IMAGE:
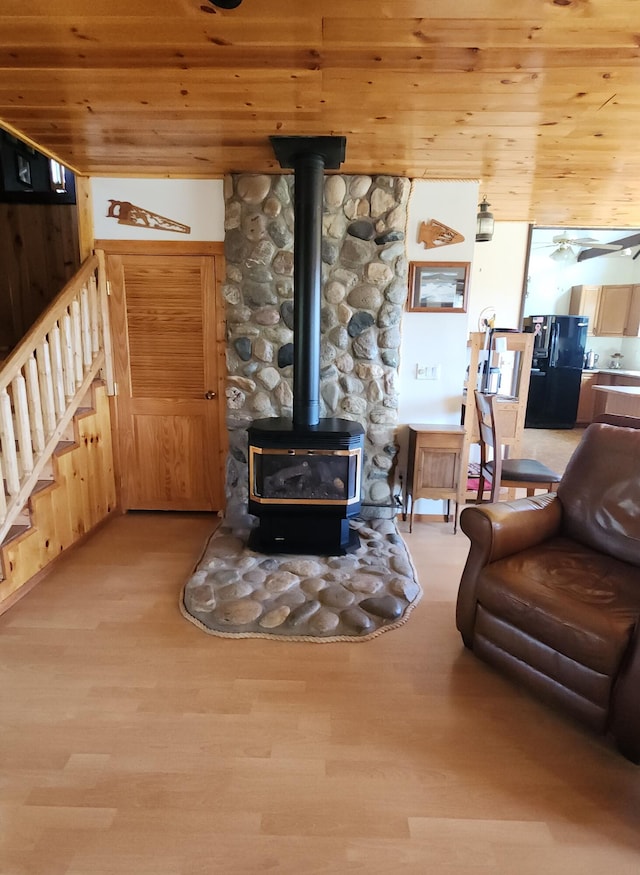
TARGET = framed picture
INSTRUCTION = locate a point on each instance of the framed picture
(438, 287)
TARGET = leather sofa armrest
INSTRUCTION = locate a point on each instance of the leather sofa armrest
(498, 530)
(625, 709)
(507, 527)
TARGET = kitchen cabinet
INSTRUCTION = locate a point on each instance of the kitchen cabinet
(620, 380)
(613, 310)
(584, 302)
(585, 403)
(632, 328)
(607, 307)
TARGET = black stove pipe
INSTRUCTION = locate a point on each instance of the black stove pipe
(308, 156)
(307, 283)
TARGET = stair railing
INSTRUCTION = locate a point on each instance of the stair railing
(44, 381)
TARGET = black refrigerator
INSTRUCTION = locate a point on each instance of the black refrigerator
(556, 370)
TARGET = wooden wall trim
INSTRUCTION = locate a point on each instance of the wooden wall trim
(160, 247)
(84, 209)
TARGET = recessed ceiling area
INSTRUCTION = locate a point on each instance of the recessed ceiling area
(537, 99)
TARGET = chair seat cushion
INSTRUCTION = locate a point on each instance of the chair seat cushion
(577, 601)
(525, 469)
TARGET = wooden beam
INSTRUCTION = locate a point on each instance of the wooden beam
(623, 242)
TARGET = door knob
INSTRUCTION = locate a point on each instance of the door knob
(209, 395)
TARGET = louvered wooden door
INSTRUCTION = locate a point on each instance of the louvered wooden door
(167, 348)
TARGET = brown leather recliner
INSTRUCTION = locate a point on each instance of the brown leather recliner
(550, 592)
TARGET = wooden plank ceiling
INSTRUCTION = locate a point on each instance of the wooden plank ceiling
(537, 99)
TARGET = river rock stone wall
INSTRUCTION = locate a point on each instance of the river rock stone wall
(364, 286)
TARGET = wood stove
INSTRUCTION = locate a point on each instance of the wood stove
(305, 485)
(305, 473)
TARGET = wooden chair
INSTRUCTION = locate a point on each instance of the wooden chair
(502, 471)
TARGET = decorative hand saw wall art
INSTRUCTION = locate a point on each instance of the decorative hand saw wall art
(129, 214)
(434, 234)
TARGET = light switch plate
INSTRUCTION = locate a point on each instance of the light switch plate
(427, 372)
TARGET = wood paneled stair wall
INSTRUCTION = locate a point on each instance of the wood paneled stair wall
(63, 507)
(56, 458)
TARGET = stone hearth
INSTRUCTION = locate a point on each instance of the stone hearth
(237, 592)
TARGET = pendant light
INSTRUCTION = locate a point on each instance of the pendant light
(485, 223)
(226, 4)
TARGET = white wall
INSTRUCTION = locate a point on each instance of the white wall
(497, 275)
(198, 203)
(435, 338)
(497, 281)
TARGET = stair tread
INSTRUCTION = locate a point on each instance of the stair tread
(62, 446)
(14, 532)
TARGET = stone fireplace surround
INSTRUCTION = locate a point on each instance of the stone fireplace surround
(364, 277)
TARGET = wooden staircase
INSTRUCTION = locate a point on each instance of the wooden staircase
(63, 508)
(56, 459)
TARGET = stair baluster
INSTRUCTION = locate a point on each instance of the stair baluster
(44, 381)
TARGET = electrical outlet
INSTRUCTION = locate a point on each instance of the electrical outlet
(427, 372)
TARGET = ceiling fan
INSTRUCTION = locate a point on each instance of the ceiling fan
(626, 244)
(563, 246)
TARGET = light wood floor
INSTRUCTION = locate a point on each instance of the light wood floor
(553, 447)
(133, 743)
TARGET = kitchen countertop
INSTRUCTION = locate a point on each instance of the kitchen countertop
(621, 371)
(618, 390)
